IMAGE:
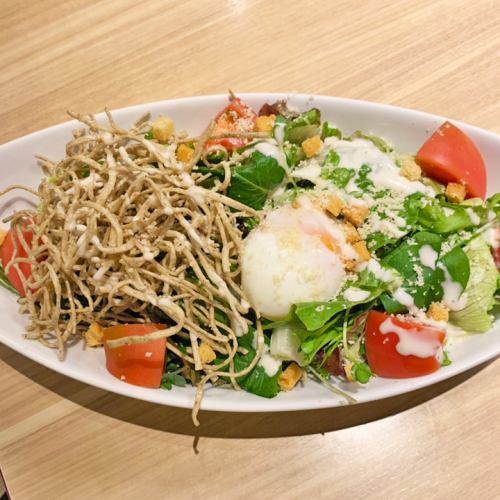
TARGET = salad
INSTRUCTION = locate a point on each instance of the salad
(270, 248)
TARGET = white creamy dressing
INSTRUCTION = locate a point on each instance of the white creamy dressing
(411, 343)
(270, 149)
(385, 173)
(354, 294)
(380, 272)
(404, 298)
(453, 298)
(270, 364)
(492, 237)
(474, 218)
(428, 256)
(279, 132)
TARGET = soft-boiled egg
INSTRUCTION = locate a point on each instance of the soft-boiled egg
(294, 255)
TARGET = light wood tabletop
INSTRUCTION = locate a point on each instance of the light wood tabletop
(60, 438)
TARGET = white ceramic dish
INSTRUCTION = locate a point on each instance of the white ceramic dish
(405, 129)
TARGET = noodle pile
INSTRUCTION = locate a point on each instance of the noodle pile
(125, 232)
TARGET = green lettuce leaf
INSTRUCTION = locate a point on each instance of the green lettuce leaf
(252, 182)
(480, 290)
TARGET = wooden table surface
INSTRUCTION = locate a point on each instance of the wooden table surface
(63, 439)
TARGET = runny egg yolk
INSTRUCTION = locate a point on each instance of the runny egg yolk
(295, 255)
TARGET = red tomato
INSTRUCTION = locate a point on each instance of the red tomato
(382, 348)
(137, 364)
(450, 156)
(7, 255)
(235, 117)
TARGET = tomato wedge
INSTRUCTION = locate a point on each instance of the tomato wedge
(237, 116)
(449, 155)
(402, 349)
(137, 364)
(7, 254)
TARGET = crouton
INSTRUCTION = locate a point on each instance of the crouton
(455, 192)
(438, 312)
(355, 214)
(410, 169)
(207, 354)
(350, 232)
(162, 128)
(290, 376)
(94, 336)
(362, 251)
(184, 153)
(265, 123)
(334, 205)
(311, 146)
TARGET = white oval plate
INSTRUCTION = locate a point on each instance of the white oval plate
(405, 129)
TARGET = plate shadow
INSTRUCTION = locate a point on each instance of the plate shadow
(225, 424)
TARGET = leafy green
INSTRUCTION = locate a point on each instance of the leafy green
(391, 306)
(362, 180)
(327, 340)
(304, 126)
(444, 218)
(361, 372)
(332, 158)
(170, 379)
(314, 315)
(493, 203)
(252, 182)
(377, 141)
(424, 283)
(458, 266)
(426, 288)
(294, 154)
(327, 131)
(85, 171)
(446, 359)
(149, 135)
(4, 282)
(339, 176)
(480, 290)
(257, 381)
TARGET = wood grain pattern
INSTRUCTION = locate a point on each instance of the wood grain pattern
(62, 439)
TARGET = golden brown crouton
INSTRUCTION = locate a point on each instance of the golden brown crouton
(351, 233)
(290, 376)
(362, 251)
(265, 123)
(355, 214)
(207, 354)
(455, 192)
(94, 336)
(3, 234)
(184, 153)
(410, 170)
(162, 128)
(312, 146)
(438, 312)
(334, 205)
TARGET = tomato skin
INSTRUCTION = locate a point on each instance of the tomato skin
(381, 348)
(7, 253)
(137, 364)
(237, 116)
(449, 155)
